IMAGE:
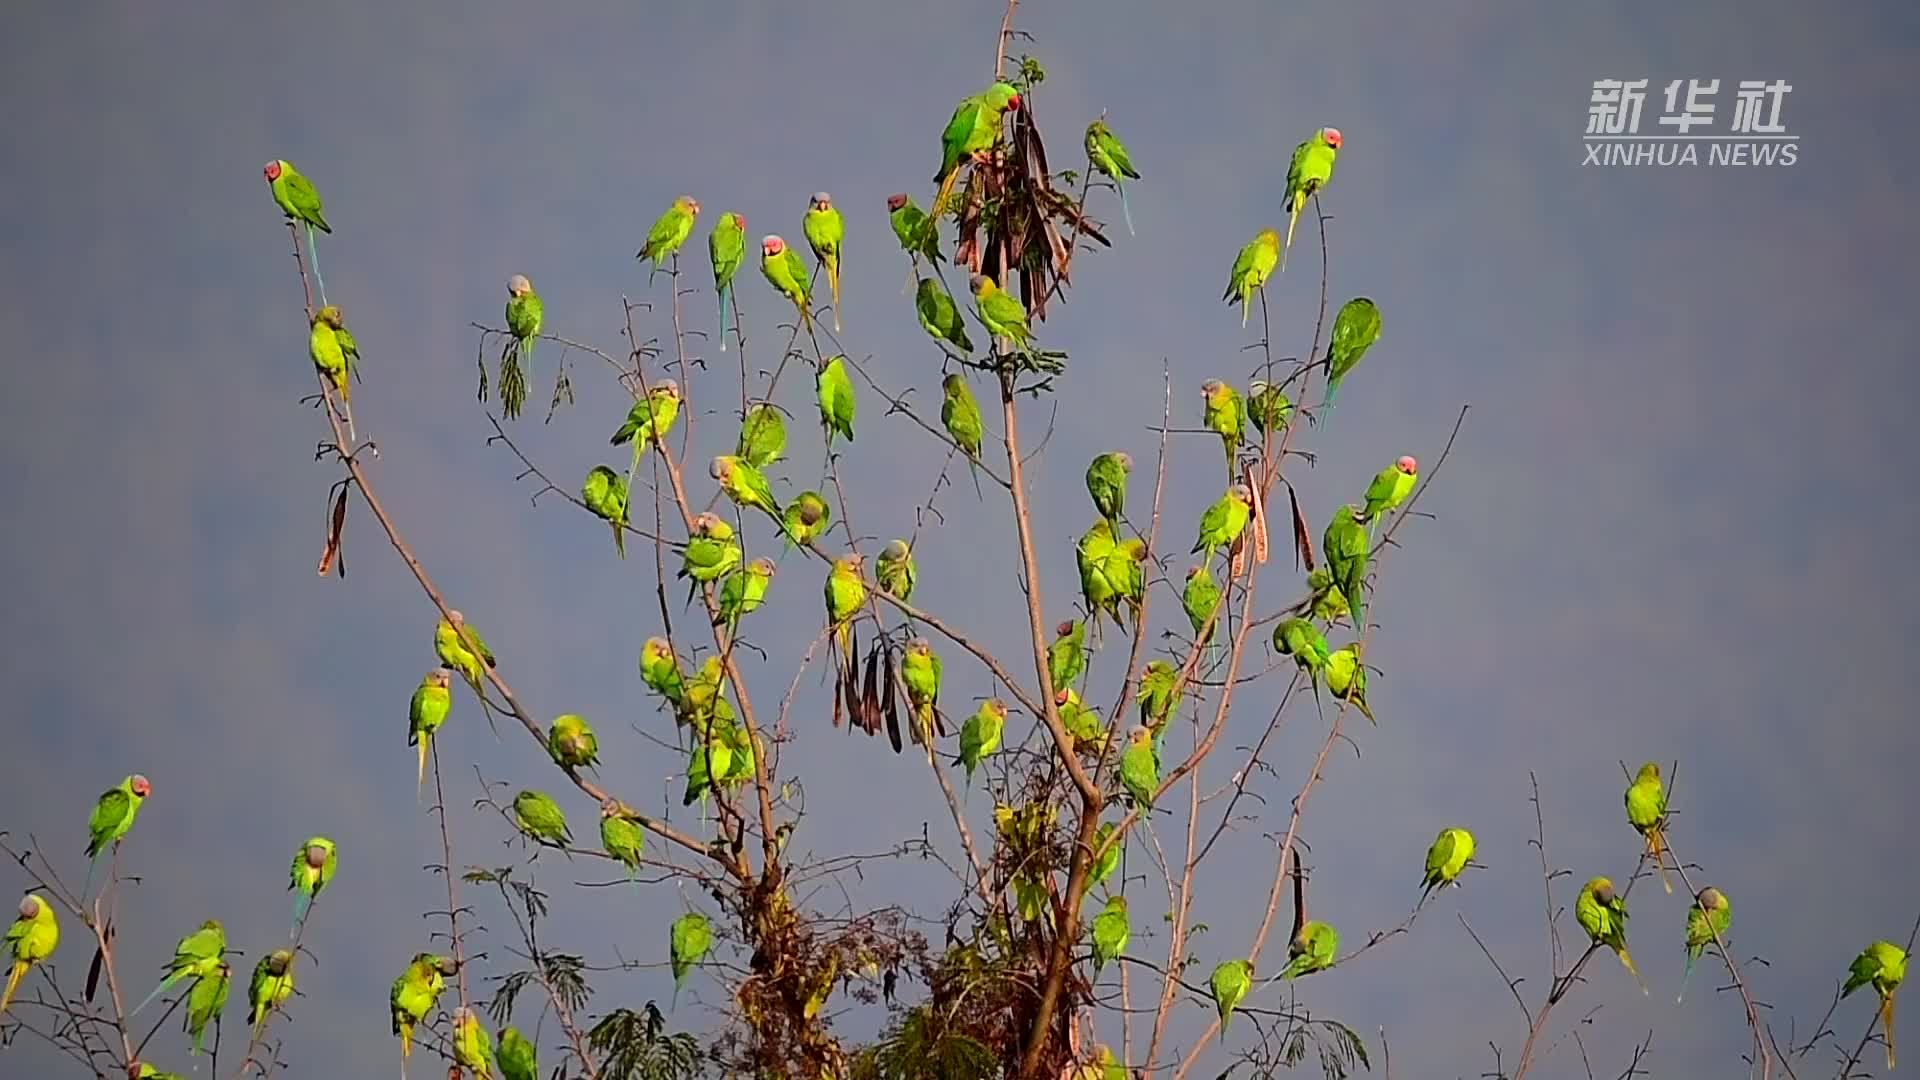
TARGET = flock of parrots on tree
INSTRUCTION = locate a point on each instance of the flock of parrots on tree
(1110, 575)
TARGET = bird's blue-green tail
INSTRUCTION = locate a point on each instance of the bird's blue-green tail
(1683, 981)
(313, 256)
(87, 889)
(1125, 212)
(1333, 391)
(157, 991)
(302, 903)
(726, 296)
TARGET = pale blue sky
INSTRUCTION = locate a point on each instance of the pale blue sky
(1664, 533)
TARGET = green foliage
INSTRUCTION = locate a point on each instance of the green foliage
(636, 1046)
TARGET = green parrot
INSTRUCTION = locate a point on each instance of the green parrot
(414, 996)
(960, 415)
(1348, 551)
(541, 820)
(606, 495)
(300, 201)
(1067, 656)
(1230, 982)
(782, 268)
(1108, 156)
(742, 593)
(1001, 312)
(432, 701)
(461, 648)
(1346, 677)
(197, 956)
(1092, 554)
(1269, 409)
(712, 552)
(940, 317)
(1110, 933)
(1106, 855)
(824, 229)
(651, 419)
(1140, 768)
(313, 868)
(726, 246)
(140, 1070)
(1160, 693)
(980, 736)
(1082, 723)
(29, 941)
(1224, 521)
(660, 669)
(807, 519)
(1602, 913)
(688, 942)
(1452, 850)
(270, 988)
(525, 313)
(518, 1059)
(669, 232)
(572, 743)
(846, 594)
(1251, 268)
(918, 235)
(1883, 964)
(1355, 329)
(763, 436)
(1200, 598)
(1126, 572)
(920, 670)
(1312, 949)
(1329, 603)
(894, 571)
(206, 1001)
(1310, 170)
(1646, 800)
(1107, 485)
(1304, 642)
(622, 837)
(1226, 414)
(329, 353)
(472, 1044)
(112, 819)
(1708, 921)
(699, 772)
(973, 130)
(837, 402)
(1389, 489)
(745, 485)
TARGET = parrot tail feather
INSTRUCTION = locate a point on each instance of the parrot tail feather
(726, 294)
(833, 286)
(13, 983)
(1657, 848)
(1246, 308)
(1333, 391)
(946, 192)
(420, 784)
(1886, 1026)
(1125, 212)
(313, 256)
(1683, 980)
(302, 903)
(157, 991)
(1627, 959)
(1293, 219)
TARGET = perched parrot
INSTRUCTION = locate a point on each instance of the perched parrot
(1710, 917)
(1449, 855)
(1067, 656)
(669, 232)
(1346, 676)
(197, 956)
(980, 735)
(329, 352)
(1269, 409)
(1646, 800)
(1140, 768)
(572, 743)
(461, 648)
(1602, 913)
(846, 594)
(973, 130)
(271, 988)
(472, 1043)
(300, 201)
(432, 701)
(1127, 574)
(837, 403)
(1200, 599)
(745, 485)
(940, 317)
(1251, 268)
(29, 941)
(606, 495)
(918, 235)
(525, 313)
(1348, 551)
(313, 868)
(1224, 521)
(541, 820)
(1329, 603)
(894, 571)
(660, 669)
(920, 670)
(782, 268)
(742, 593)
(1082, 723)
(518, 1058)
(1355, 329)
(960, 415)
(1304, 642)
(1001, 312)
(1389, 489)
(825, 229)
(651, 419)
(712, 552)
(1106, 853)
(414, 996)
(1160, 693)
(113, 816)
(1107, 485)
(763, 436)
(1110, 933)
(1230, 982)
(688, 941)
(206, 1001)
(726, 246)
(140, 1070)
(1310, 170)
(1312, 949)
(1108, 156)
(1091, 554)
(622, 837)
(1883, 964)
(807, 519)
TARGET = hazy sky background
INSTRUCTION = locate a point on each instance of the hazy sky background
(1666, 531)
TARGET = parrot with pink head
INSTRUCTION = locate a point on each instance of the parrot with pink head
(1310, 170)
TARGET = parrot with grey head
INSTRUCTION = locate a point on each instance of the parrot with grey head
(825, 230)
(726, 247)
